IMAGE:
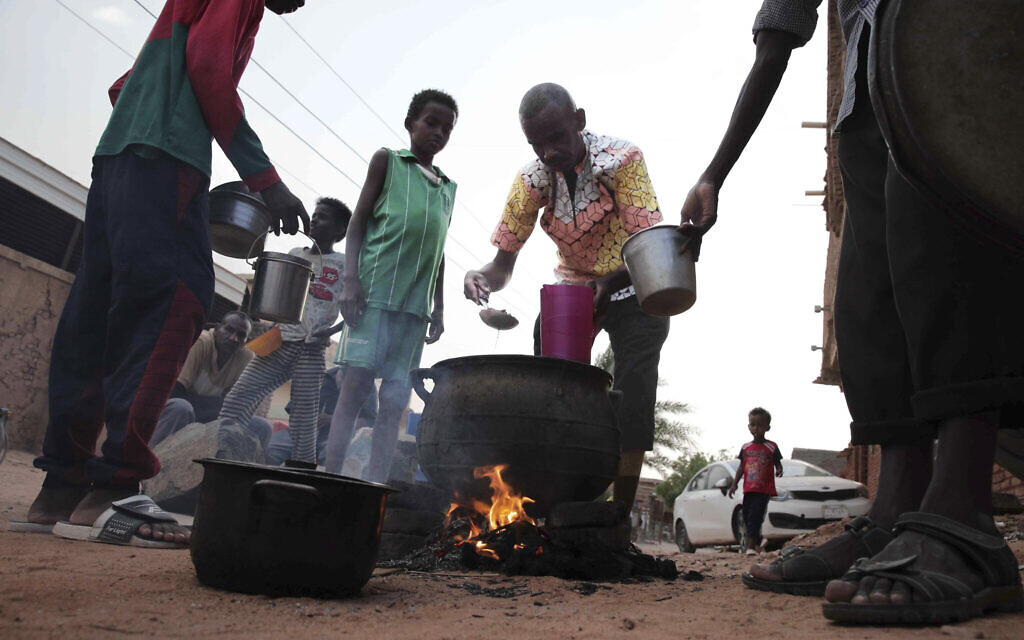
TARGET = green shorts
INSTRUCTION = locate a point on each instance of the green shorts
(389, 343)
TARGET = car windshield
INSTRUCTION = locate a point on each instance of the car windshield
(797, 469)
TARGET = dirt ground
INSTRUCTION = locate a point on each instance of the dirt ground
(50, 587)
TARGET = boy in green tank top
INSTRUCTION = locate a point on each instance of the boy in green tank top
(393, 279)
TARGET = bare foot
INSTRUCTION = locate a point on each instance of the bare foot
(53, 505)
(99, 500)
(932, 555)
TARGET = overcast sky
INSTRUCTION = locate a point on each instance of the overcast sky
(661, 74)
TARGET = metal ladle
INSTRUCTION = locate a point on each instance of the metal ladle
(497, 318)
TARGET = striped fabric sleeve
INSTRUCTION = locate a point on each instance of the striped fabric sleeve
(798, 17)
(220, 41)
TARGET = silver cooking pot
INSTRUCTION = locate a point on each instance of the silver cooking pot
(660, 262)
(280, 285)
(238, 219)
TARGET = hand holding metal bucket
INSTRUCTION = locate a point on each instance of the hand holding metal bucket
(660, 261)
(281, 283)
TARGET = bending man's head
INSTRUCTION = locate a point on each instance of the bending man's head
(552, 124)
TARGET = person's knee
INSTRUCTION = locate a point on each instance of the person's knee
(261, 428)
(394, 394)
(180, 407)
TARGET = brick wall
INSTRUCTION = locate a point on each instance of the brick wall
(862, 465)
(1005, 482)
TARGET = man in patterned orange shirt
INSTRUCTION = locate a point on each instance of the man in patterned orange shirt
(595, 192)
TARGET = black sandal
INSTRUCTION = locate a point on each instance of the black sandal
(949, 599)
(805, 573)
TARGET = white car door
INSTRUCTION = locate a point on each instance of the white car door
(692, 516)
(718, 507)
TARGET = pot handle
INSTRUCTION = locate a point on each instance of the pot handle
(616, 398)
(416, 377)
(260, 494)
(260, 489)
(319, 253)
(248, 254)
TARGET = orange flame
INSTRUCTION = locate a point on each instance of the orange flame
(506, 506)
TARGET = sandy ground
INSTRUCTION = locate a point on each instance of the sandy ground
(51, 587)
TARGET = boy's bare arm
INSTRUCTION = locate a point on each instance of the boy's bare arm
(736, 480)
(436, 327)
(352, 300)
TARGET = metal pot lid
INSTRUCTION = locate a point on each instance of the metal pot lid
(523, 361)
(293, 473)
(237, 190)
(286, 257)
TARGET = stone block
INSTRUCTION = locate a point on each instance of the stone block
(413, 522)
(176, 487)
(587, 514)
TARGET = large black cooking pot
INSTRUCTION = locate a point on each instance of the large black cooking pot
(281, 531)
(551, 420)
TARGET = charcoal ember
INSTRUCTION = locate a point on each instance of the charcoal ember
(587, 514)
(419, 496)
(491, 592)
(422, 523)
(611, 538)
(398, 545)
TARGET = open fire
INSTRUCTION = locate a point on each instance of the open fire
(507, 508)
(592, 542)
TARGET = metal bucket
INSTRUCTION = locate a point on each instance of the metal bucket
(662, 268)
(238, 219)
(280, 286)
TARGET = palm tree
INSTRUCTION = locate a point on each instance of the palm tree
(672, 436)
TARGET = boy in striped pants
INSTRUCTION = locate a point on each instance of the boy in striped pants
(300, 358)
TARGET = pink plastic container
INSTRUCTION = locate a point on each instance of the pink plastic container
(567, 321)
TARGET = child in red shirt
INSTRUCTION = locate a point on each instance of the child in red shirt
(757, 458)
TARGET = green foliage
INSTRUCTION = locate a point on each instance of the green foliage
(682, 470)
(671, 434)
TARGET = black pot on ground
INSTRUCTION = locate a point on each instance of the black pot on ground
(552, 421)
(281, 531)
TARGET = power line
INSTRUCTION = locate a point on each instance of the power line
(398, 136)
(249, 96)
(343, 81)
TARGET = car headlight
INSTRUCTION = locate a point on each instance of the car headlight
(862, 491)
(782, 496)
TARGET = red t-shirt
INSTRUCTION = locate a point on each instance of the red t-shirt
(757, 459)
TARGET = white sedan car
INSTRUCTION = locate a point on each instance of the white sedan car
(808, 497)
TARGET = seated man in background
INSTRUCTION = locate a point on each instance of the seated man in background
(212, 367)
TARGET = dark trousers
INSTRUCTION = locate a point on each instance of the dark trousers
(755, 506)
(137, 304)
(636, 339)
(927, 317)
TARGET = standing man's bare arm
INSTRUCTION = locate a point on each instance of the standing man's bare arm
(773, 49)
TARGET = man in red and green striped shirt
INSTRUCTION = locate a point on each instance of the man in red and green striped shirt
(146, 279)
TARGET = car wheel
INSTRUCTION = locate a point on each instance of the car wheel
(739, 529)
(682, 538)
